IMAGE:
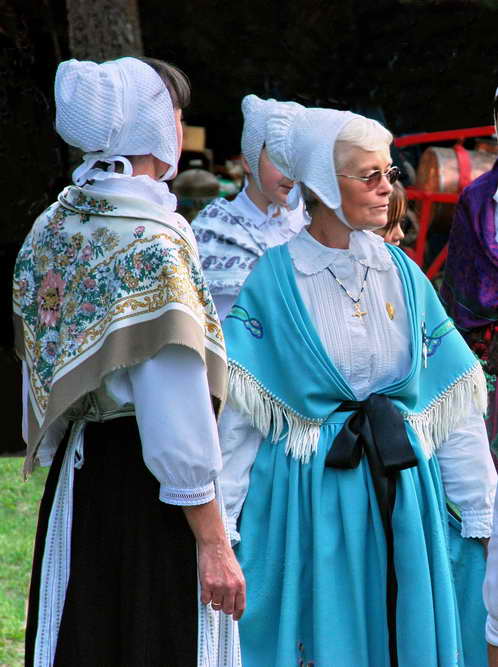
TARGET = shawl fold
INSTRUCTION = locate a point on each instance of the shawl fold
(283, 379)
(100, 284)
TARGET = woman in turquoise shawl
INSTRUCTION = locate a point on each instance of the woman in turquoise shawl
(356, 409)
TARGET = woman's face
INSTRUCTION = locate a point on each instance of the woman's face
(274, 185)
(394, 236)
(365, 207)
(179, 129)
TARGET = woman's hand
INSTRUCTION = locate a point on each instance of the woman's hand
(492, 655)
(222, 581)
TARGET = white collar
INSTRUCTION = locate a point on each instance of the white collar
(141, 187)
(310, 256)
(274, 215)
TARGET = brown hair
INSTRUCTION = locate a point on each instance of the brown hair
(398, 203)
(174, 79)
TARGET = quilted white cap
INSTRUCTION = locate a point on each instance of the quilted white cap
(301, 145)
(118, 108)
(255, 112)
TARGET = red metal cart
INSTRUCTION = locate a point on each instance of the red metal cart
(427, 198)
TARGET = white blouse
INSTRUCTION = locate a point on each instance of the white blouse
(277, 224)
(171, 397)
(371, 352)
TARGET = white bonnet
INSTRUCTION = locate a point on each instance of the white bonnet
(121, 107)
(256, 131)
(256, 112)
(301, 145)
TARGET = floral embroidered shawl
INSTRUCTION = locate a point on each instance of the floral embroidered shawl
(105, 283)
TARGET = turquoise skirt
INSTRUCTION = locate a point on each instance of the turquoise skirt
(314, 556)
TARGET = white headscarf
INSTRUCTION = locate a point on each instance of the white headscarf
(257, 116)
(256, 112)
(118, 108)
(301, 145)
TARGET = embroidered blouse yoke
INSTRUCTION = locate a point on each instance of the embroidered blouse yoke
(232, 235)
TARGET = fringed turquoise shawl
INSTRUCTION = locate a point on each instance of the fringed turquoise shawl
(282, 378)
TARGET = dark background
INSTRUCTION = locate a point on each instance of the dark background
(426, 65)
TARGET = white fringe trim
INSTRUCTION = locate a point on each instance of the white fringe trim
(434, 425)
(266, 412)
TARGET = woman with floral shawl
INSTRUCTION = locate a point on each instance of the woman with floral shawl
(355, 407)
(124, 370)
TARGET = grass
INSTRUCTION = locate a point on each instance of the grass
(18, 514)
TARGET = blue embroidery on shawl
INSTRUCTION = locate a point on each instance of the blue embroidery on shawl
(253, 325)
(435, 338)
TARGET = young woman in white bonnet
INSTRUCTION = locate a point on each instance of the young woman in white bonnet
(355, 407)
(124, 372)
(232, 235)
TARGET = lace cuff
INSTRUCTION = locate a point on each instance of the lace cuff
(187, 497)
(232, 529)
(477, 524)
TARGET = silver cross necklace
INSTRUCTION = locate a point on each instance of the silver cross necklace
(357, 311)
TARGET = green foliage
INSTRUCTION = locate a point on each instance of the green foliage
(18, 514)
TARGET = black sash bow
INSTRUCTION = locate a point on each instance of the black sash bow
(376, 428)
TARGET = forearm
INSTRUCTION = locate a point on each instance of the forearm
(206, 523)
(221, 579)
(492, 656)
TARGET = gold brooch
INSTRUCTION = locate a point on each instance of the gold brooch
(390, 310)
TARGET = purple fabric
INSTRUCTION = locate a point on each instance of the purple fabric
(470, 286)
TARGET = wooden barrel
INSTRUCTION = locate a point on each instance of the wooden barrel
(438, 170)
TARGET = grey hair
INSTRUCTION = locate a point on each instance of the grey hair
(364, 133)
(360, 132)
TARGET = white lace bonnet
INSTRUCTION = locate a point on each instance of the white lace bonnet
(301, 145)
(256, 112)
(121, 107)
(255, 134)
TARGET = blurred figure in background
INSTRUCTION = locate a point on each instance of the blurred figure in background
(195, 189)
(393, 232)
(470, 286)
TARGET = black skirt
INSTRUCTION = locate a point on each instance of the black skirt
(132, 594)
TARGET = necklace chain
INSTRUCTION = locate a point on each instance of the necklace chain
(357, 309)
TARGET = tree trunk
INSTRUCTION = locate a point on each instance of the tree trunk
(103, 29)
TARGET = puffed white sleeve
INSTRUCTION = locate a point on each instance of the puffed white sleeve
(176, 422)
(240, 442)
(490, 588)
(469, 475)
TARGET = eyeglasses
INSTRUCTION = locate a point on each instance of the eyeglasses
(373, 180)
